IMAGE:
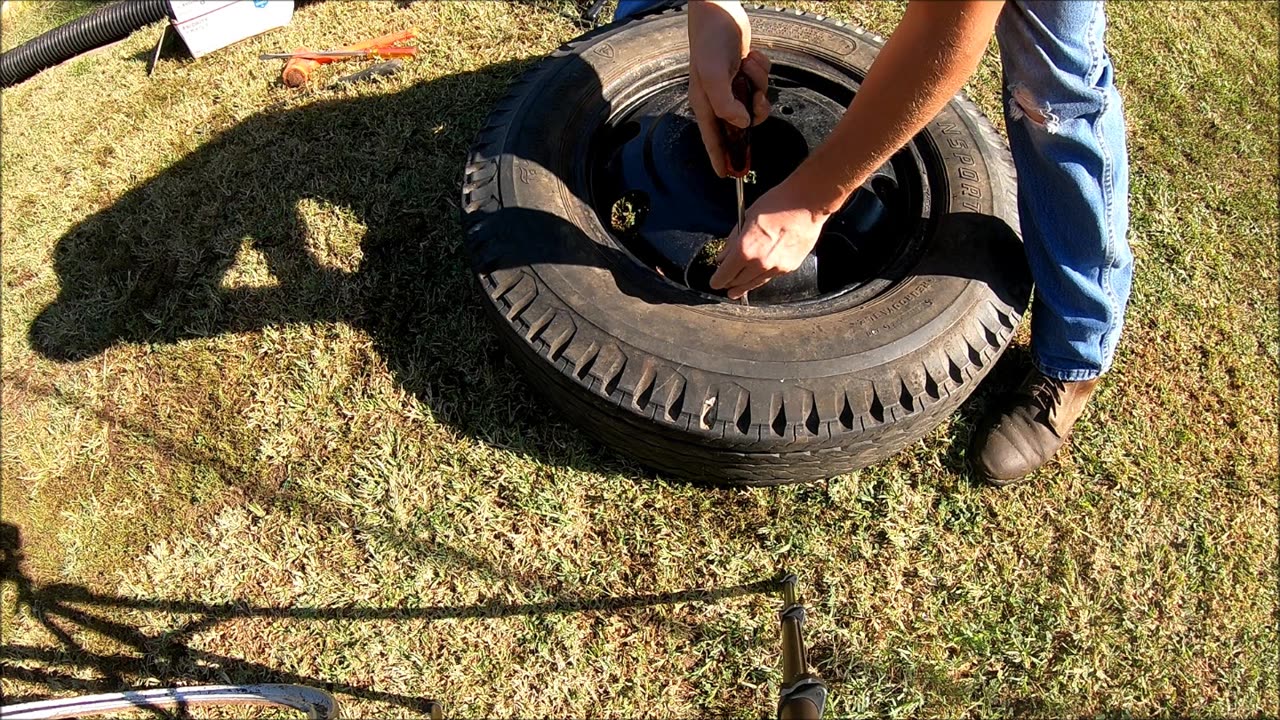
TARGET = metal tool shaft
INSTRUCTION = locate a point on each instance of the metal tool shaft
(739, 184)
(738, 148)
(804, 694)
(795, 661)
(342, 54)
(742, 207)
(315, 53)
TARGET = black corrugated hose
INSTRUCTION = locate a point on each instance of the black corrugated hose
(94, 29)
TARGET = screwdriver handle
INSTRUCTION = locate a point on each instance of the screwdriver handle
(737, 141)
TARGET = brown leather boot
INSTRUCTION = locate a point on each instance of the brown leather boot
(1018, 440)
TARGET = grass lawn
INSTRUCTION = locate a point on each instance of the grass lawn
(228, 460)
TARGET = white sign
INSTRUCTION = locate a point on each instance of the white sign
(207, 25)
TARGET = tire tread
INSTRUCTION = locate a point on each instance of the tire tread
(659, 412)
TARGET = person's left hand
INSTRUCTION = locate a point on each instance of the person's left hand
(778, 233)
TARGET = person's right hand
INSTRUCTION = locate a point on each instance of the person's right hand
(720, 45)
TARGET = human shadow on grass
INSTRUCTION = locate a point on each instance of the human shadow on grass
(73, 613)
(156, 265)
(291, 188)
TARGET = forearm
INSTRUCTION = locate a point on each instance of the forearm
(926, 61)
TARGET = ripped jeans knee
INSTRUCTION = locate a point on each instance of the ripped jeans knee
(1050, 105)
(1024, 104)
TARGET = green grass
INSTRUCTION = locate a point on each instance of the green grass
(264, 433)
(25, 19)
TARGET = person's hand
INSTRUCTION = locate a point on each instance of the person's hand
(720, 45)
(778, 234)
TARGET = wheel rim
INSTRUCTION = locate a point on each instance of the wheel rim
(652, 185)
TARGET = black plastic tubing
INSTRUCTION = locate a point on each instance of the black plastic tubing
(94, 29)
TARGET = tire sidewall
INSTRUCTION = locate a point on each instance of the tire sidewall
(886, 367)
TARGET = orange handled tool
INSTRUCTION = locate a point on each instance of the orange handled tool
(325, 56)
(298, 68)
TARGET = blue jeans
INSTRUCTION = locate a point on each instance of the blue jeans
(1066, 131)
(627, 8)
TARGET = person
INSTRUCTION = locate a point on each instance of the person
(1067, 134)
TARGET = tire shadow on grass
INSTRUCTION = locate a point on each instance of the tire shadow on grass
(995, 388)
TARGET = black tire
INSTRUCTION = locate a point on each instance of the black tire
(713, 391)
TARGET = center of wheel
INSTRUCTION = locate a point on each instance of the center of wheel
(654, 187)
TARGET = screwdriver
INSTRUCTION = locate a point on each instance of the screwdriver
(300, 63)
(737, 145)
(737, 141)
(327, 55)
